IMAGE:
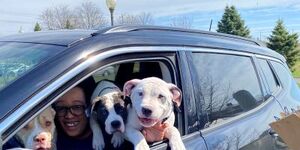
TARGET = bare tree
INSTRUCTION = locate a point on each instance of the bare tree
(127, 19)
(48, 18)
(146, 18)
(89, 16)
(183, 22)
(57, 17)
(140, 19)
(86, 16)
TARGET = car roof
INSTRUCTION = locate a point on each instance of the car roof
(53, 37)
(90, 41)
(145, 35)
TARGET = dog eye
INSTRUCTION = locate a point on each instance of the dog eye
(120, 109)
(102, 115)
(48, 123)
(26, 127)
(140, 93)
(161, 96)
(104, 112)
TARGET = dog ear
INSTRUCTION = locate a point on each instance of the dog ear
(53, 112)
(129, 85)
(126, 99)
(176, 92)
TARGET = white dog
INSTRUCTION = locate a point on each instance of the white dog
(152, 104)
(39, 132)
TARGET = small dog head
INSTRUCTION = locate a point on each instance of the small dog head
(109, 107)
(39, 132)
(152, 99)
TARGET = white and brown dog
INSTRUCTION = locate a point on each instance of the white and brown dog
(152, 103)
(39, 133)
(108, 112)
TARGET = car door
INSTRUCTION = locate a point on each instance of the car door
(126, 64)
(230, 97)
(193, 138)
(171, 67)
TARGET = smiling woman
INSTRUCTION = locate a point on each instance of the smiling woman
(73, 129)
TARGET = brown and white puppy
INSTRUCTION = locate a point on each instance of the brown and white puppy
(109, 113)
(38, 134)
(152, 104)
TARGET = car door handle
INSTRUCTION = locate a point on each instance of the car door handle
(272, 133)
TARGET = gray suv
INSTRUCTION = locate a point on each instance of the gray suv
(233, 87)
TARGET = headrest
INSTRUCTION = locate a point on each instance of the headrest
(103, 87)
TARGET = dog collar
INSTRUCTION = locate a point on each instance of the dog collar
(176, 108)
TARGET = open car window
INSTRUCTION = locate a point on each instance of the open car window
(119, 74)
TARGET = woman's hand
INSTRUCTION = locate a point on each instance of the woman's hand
(155, 133)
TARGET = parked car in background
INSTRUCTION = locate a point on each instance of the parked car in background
(106, 71)
(232, 87)
(12, 69)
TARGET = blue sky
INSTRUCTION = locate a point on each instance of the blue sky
(259, 15)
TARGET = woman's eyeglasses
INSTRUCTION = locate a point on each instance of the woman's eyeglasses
(76, 110)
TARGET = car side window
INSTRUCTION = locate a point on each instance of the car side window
(271, 81)
(139, 69)
(228, 85)
(288, 82)
(283, 73)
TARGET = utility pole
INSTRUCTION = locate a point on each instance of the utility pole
(210, 24)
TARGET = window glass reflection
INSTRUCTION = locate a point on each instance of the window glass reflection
(228, 85)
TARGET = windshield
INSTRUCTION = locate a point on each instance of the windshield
(18, 58)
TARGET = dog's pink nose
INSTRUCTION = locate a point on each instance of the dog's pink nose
(40, 138)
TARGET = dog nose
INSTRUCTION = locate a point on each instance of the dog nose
(39, 139)
(147, 112)
(116, 124)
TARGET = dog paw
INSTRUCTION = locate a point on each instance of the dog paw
(178, 145)
(98, 144)
(117, 139)
(142, 146)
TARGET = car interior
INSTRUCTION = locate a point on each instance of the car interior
(122, 73)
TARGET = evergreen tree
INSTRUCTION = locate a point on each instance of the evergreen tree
(231, 23)
(37, 27)
(284, 43)
(68, 25)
